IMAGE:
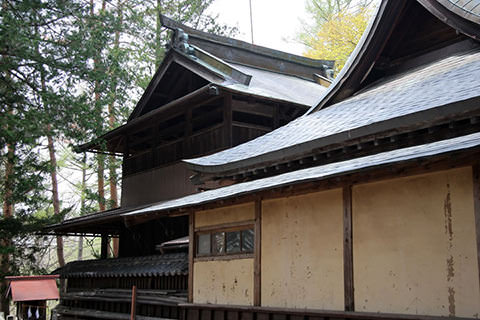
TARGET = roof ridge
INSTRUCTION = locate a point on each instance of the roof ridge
(239, 44)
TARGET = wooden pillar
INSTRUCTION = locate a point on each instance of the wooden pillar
(257, 280)
(104, 247)
(348, 249)
(126, 155)
(188, 132)
(276, 116)
(133, 307)
(191, 254)
(476, 208)
(227, 121)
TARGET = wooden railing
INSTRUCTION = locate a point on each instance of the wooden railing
(228, 312)
(116, 304)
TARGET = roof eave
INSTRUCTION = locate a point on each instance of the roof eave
(408, 121)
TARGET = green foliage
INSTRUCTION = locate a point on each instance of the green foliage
(63, 65)
(23, 244)
(338, 27)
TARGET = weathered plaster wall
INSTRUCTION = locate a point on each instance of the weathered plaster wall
(224, 215)
(223, 282)
(302, 257)
(414, 245)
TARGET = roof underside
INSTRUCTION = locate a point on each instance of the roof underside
(452, 79)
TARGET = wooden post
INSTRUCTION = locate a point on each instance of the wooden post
(348, 249)
(188, 132)
(191, 254)
(227, 121)
(276, 116)
(104, 247)
(133, 310)
(476, 209)
(257, 280)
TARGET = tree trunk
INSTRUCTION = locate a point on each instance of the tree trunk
(55, 197)
(8, 208)
(111, 122)
(101, 181)
(158, 34)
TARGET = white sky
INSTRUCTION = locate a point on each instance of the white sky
(275, 22)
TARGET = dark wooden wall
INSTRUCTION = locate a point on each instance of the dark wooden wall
(140, 240)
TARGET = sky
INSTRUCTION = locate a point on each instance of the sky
(275, 22)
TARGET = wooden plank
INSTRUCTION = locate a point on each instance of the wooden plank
(476, 207)
(348, 249)
(257, 280)
(191, 253)
(218, 315)
(247, 315)
(193, 314)
(232, 315)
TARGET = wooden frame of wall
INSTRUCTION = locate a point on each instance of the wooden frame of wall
(224, 120)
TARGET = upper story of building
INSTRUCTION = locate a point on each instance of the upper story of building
(210, 93)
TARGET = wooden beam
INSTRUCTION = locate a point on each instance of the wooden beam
(191, 253)
(251, 126)
(229, 225)
(348, 249)
(476, 208)
(257, 280)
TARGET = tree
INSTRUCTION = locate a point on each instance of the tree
(338, 27)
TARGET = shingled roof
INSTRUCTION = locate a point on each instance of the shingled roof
(430, 88)
(364, 100)
(169, 264)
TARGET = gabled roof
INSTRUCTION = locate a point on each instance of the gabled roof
(200, 64)
(364, 99)
(233, 64)
(32, 288)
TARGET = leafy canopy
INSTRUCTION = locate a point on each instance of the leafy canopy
(338, 27)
